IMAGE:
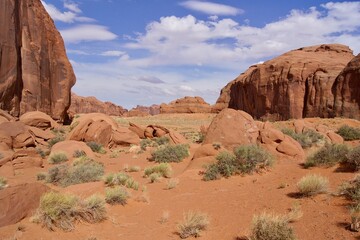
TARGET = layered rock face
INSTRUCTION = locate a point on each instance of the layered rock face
(35, 73)
(142, 111)
(93, 105)
(186, 105)
(296, 84)
(346, 90)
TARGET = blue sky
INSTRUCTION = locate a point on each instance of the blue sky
(148, 52)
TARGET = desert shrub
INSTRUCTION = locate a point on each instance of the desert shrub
(79, 153)
(116, 195)
(63, 210)
(271, 227)
(351, 189)
(96, 147)
(134, 169)
(53, 141)
(164, 169)
(42, 153)
(171, 153)
(306, 139)
(144, 143)
(57, 158)
(328, 156)
(121, 179)
(41, 176)
(3, 183)
(161, 140)
(216, 145)
(172, 183)
(312, 185)
(349, 133)
(154, 177)
(245, 159)
(81, 171)
(73, 125)
(155, 142)
(192, 225)
(353, 158)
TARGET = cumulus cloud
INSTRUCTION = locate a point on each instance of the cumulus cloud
(72, 6)
(87, 32)
(113, 53)
(211, 8)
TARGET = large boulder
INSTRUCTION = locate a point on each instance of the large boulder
(346, 90)
(69, 147)
(93, 105)
(16, 135)
(35, 72)
(39, 120)
(186, 105)
(296, 84)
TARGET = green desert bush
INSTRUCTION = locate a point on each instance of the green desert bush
(134, 169)
(307, 138)
(271, 227)
(154, 177)
(192, 225)
(121, 179)
(3, 183)
(353, 158)
(81, 171)
(57, 158)
(164, 169)
(56, 139)
(96, 147)
(41, 176)
(245, 159)
(349, 133)
(63, 210)
(351, 189)
(312, 184)
(170, 153)
(328, 156)
(79, 153)
(116, 195)
(155, 142)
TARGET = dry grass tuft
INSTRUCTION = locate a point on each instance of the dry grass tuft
(192, 224)
(312, 184)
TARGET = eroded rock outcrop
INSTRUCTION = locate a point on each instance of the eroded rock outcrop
(346, 90)
(296, 84)
(35, 73)
(141, 111)
(186, 105)
(93, 105)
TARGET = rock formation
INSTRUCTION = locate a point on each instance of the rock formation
(140, 111)
(186, 105)
(296, 84)
(93, 105)
(346, 90)
(35, 73)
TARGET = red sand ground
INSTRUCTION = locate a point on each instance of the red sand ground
(230, 203)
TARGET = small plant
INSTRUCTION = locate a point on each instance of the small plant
(216, 145)
(271, 227)
(355, 218)
(164, 169)
(134, 169)
(349, 133)
(353, 158)
(155, 142)
(79, 153)
(116, 195)
(122, 179)
(57, 158)
(192, 225)
(114, 155)
(307, 138)
(171, 153)
(63, 210)
(53, 141)
(351, 189)
(154, 177)
(3, 183)
(172, 183)
(312, 185)
(42, 153)
(96, 147)
(164, 217)
(41, 176)
(328, 156)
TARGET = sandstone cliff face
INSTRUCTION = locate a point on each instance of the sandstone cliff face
(35, 73)
(186, 105)
(296, 84)
(346, 90)
(142, 111)
(93, 105)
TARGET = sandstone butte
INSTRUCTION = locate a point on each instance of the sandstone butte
(298, 84)
(93, 105)
(35, 73)
(142, 111)
(186, 105)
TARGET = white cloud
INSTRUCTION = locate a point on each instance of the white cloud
(113, 53)
(186, 88)
(72, 6)
(87, 32)
(211, 8)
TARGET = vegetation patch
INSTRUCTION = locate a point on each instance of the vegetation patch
(116, 195)
(63, 210)
(96, 147)
(172, 183)
(81, 171)
(349, 133)
(271, 227)
(3, 183)
(307, 138)
(154, 142)
(41, 176)
(351, 189)
(121, 179)
(53, 141)
(312, 184)
(163, 169)
(193, 224)
(244, 160)
(79, 153)
(170, 153)
(353, 158)
(328, 156)
(57, 158)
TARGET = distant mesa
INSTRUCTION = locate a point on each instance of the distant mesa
(301, 83)
(93, 105)
(143, 111)
(35, 73)
(186, 105)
